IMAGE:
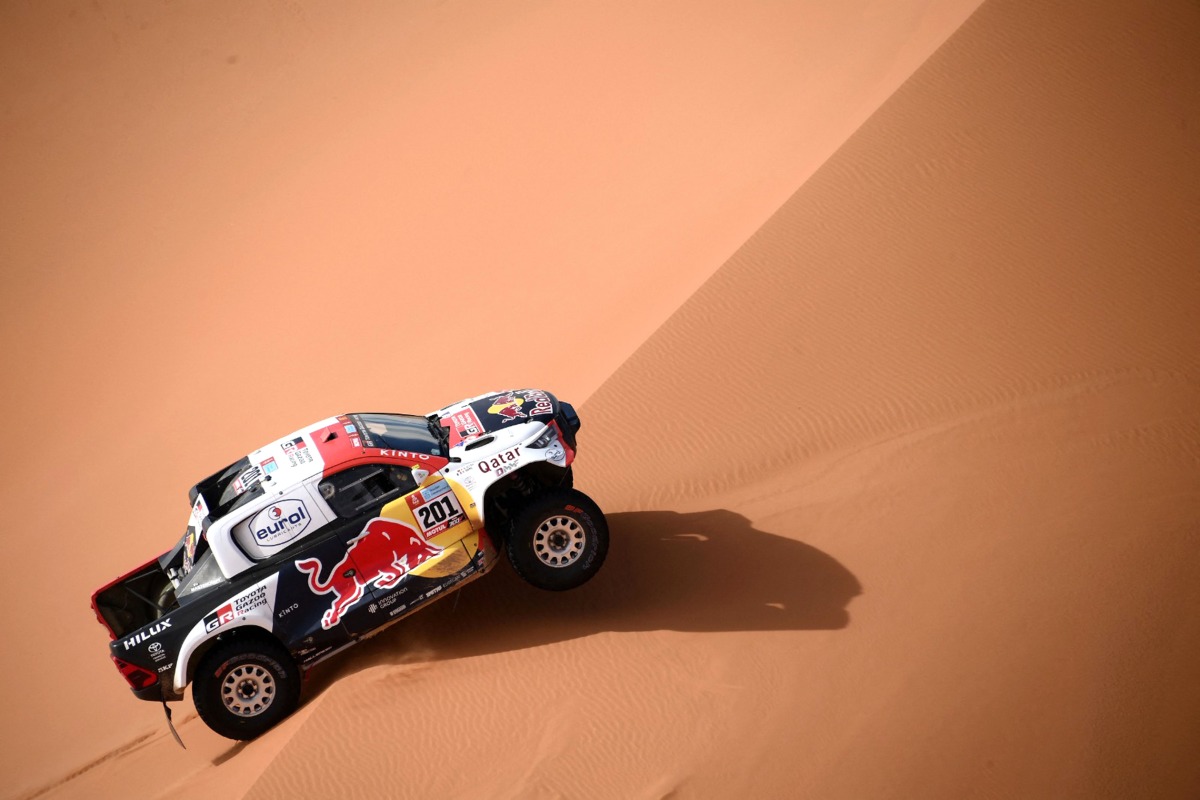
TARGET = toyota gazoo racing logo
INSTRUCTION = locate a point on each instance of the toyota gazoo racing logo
(381, 555)
(507, 406)
(238, 607)
(280, 523)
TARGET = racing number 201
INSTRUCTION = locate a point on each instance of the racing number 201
(436, 512)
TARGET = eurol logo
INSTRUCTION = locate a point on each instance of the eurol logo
(280, 523)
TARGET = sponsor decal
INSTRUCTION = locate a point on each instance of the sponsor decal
(269, 465)
(555, 454)
(397, 610)
(437, 490)
(390, 600)
(152, 631)
(246, 481)
(498, 465)
(280, 523)
(372, 608)
(350, 429)
(156, 651)
(436, 509)
(404, 454)
(167, 667)
(541, 402)
(363, 432)
(190, 540)
(239, 606)
(314, 656)
(464, 426)
(192, 537)
(381, 555)
(355, 442)
(297, 452)
(288, 610)
(507, 406)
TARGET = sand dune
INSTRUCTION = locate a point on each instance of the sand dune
(194, 191)
(903, 496)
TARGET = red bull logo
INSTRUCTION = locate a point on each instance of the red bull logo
(381, 555)
(507, 406)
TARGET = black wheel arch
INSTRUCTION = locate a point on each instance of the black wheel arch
(242, 633)
(503, 498)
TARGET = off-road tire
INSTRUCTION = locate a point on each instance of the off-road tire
(558, 540)
(230, 671)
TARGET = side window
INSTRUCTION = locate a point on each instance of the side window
(363, 490)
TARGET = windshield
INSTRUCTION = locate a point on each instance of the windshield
(397, 432)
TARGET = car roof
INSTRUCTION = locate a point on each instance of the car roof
(333, 444)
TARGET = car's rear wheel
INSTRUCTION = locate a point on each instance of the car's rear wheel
(245, 686)
(558, 540)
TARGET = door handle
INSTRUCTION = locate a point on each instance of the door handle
(348, 573)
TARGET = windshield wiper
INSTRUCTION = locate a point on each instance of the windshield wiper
(441, 433)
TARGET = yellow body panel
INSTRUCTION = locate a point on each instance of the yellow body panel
(453, 557)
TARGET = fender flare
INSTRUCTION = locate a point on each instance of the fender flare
(211, 626)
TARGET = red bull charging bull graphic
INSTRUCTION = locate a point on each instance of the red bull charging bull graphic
(507, 406)
(382, 554)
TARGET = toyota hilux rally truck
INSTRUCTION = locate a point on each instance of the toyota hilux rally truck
(328, 535)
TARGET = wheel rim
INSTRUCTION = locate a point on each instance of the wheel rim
(248, 690)
(558, 542)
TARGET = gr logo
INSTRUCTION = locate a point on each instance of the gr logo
(218, 618)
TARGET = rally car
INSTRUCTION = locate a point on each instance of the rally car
(328, 535)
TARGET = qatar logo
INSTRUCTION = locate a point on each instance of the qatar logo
(278, 524)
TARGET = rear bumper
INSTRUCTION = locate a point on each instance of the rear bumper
(153, 692)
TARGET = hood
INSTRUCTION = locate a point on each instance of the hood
(491, 413)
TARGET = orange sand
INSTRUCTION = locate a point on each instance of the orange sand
(903, 495)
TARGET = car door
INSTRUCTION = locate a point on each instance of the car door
(379, 549)
(404, 540)
(312, 591)
(438, 548)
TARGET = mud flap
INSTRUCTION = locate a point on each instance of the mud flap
(167, 711)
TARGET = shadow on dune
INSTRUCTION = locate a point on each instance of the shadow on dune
(705, 571)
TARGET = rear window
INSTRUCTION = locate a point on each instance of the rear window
(231, 488)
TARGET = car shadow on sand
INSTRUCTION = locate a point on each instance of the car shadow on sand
(702, 571)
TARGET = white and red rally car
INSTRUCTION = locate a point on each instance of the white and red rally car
(326, 536)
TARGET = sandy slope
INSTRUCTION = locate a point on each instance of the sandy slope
(191, 189)
(923, 521)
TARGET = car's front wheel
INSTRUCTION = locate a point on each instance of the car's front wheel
(558, 540)
(245, 686)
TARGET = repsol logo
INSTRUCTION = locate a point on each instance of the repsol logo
(153, 630)
(280, 523)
